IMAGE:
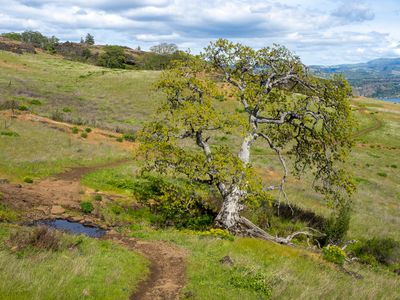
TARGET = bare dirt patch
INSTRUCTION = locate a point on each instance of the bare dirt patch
(167, 268)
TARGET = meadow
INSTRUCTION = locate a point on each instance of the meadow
(124, 100)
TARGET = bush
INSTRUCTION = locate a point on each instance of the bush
(84, 135)
(97, 197)
(113, 57)
(28, 180)
(40, 237)
(248, 279)
(394, 166)
(6, 214)
(23, 108)
(377, 250)
(74, 130)
(120, 140)
(12, 36)
(67, 110)
(338, 225)
(382, 174)
(9, 133)
(334, 254)
(219, 233)
(88, 130)
(35, 102)
(86, 207)
(131, 137)
(175, 204)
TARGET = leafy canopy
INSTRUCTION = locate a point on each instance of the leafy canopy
(292, 111)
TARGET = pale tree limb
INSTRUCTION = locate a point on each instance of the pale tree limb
(247, 228)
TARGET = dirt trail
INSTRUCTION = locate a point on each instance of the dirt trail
(49, 199)
(167, 268)
(377, 123)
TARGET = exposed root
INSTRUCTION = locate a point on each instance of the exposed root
(245, 227)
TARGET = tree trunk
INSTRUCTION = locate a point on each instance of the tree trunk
(230, 219)
(229, 216)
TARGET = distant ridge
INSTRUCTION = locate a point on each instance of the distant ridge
(377, 78)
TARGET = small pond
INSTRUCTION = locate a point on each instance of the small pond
(73, 227)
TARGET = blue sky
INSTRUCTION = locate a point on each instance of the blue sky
(319, 31)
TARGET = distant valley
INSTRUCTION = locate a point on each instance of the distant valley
(379, 78)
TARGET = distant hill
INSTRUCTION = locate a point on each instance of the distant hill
(376, 78)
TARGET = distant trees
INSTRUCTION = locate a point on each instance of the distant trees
(113, 57)
(89, 39)
(12, 36)
(34, 38)
(164, 48)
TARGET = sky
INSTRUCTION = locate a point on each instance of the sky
(324, 32)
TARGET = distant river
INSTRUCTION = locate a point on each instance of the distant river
(396, 100)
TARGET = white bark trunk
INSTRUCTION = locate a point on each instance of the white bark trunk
(229, 215)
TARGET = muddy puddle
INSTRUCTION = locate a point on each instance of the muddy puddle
(73, 227)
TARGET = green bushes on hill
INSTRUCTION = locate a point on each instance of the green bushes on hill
(113, 57)
(375, 251)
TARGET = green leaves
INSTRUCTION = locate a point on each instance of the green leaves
(308, 117)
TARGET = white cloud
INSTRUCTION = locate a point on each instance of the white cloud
(318, 30)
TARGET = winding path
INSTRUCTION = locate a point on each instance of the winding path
(37, 201)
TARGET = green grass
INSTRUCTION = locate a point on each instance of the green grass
(116, 180)
(113, 98)
(122, 99)
(291, 273)
(40, 151)
(94, 269)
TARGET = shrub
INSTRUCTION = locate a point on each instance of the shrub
(23, 108)
(6, 214)
(382, 174)
(12, 36)
(41, 237)
(28, 180)
(67, 110)
(334, 254)
(131, 137)
(394, 166)
(84, 135)
(175, 204)
(74, 130)
(9, 133)
(88, 130)
(97, 197)
(338, 225)
(120, 140)
(377, 250)
(86, 53)
(219, 233)
(86, 207)
(248, 279)
(35, 102)
(113, 57)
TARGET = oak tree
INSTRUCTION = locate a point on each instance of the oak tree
(295, 114)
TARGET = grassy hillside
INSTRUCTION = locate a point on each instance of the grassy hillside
(127, 100)
(122, 99)
(77, 92)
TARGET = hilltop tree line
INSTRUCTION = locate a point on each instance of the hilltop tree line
(110, 56)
